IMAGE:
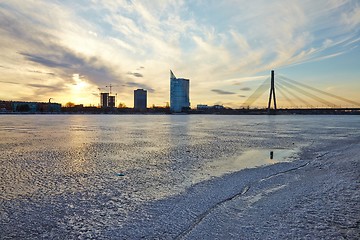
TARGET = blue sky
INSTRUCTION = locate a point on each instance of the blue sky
(66, 50)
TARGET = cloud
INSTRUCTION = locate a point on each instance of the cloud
(45, 61)
(40, 72)
(9, 82)
(34, 85)
(352, 18)
(140, 85)
(222, 92)
(42, 86)
(93, 33)
(4, 67)
(135, 74)
(66, 62)
(245, 89)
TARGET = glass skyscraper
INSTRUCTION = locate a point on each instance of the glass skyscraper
(179, 93)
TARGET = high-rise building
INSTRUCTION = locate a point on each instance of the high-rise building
(107, 100)
(140, 99)
(179, 93)
(111, 101)
(104, 100)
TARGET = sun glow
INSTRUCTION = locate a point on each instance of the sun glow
(81, 90)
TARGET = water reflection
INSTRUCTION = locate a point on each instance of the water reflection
(247, 159)
(80, 133)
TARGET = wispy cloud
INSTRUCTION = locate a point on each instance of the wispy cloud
(4, 67)
(135, 74)
(9, 82)
(245, 89)
(222, 92)
(42, 86)
(140, 85)
(40, 72)
(45, 61)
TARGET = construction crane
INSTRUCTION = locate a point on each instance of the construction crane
(110, 86)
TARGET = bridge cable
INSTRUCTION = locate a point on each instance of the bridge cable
(320, 91)
(282, 93)
(292, 86)
(292, 93)
(257, 93)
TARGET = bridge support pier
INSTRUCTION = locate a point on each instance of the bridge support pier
(272, 94)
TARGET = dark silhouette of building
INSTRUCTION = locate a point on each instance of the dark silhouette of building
(140, 99)
(104, 100)
(111, 101)
(29, 107)
(206, 107)
(107, 100)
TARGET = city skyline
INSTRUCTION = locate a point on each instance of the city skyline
(67, 50)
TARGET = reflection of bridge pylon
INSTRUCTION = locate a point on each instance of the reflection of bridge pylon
(272, 92)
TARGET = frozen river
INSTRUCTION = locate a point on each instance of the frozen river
(102, 176)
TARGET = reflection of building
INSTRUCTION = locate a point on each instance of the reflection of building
(179, 93)
(140, 99)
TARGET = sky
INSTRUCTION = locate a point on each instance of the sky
(72, 50)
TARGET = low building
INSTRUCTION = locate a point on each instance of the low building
(219, 107)
(202, 107)
(29, 107)
(206, 107)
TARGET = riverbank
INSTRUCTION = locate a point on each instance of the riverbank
(315, 200)
(162, 110)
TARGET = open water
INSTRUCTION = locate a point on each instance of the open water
(77, 175)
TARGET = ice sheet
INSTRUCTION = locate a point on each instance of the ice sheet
(88, 176)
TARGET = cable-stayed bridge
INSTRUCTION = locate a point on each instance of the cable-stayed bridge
(286, 93)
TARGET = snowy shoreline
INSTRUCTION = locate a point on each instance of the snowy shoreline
(304, 199)
(317, 199)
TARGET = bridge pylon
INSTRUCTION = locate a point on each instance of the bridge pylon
(272, 93)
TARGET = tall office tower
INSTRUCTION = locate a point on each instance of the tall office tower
(179, 93)
(104, 100)
(140, 99)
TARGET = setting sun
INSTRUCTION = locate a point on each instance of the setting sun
(82, 92)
